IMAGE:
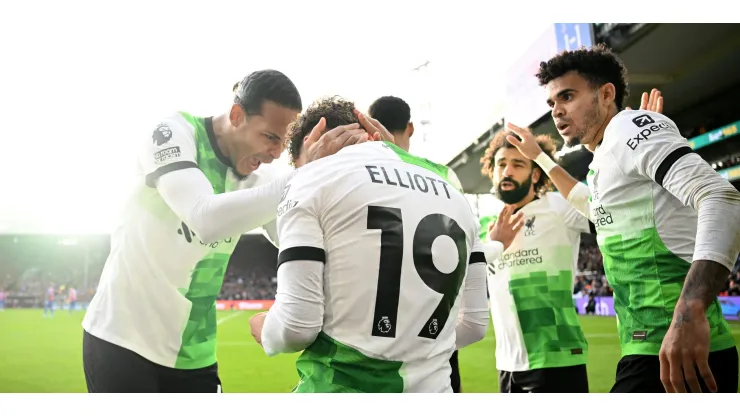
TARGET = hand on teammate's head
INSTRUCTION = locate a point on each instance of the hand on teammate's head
(327, 125)
(526, 143)
(333, 140)
(377, 131)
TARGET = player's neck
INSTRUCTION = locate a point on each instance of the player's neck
(527, 199)
(401, 141)
(220, 128)
(599, 137)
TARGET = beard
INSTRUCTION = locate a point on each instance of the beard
(591, 118)
(513, 196)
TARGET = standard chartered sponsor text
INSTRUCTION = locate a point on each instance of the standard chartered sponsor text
(601, 216)
(521, 257)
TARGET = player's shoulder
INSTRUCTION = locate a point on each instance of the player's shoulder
(177, 126)
(554, 198)
(630, 128)
(179, 119)
(636, 120)
(441, 170)
(453, 179)
(556, 202)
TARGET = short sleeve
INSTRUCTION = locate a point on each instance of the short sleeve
(571, 217)
(299, 229)
(169, 147)
(646, 144)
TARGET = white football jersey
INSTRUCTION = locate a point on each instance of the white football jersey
(647, 235)
(397, 240)
(531, 286)
(157, 291)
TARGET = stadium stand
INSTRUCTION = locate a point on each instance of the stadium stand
(251, 274)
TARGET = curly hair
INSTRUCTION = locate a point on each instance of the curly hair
(499, 141)
(599, 65)
(337, 112)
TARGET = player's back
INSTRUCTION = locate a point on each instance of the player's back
(397, 239)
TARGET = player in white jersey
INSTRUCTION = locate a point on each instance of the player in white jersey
(395, 115)
(540, 346)
(667, 224)
(151, 326)
(378, 253)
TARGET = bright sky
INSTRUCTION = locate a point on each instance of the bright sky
(82, 82)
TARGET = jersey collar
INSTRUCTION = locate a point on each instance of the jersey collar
(214, 144)
(536, 197)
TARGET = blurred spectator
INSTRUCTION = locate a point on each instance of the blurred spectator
(734, 288)
(591, 305)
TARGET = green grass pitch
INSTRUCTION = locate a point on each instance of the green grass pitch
(45, 355)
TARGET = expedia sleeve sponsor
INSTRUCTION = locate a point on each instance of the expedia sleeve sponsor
(645, 133)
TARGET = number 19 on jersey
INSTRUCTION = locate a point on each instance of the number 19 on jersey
(390, 222)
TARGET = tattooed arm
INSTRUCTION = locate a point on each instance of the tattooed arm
(704, 280)
(687, 343)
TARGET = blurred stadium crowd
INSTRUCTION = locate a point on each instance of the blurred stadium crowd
(250, 276)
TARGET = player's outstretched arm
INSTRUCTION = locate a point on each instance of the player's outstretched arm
(473, 316)
(686, 344)
(216, 216)
(170, 164)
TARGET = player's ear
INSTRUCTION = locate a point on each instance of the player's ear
(536, 174)
(410, 129)
(236, 115)
(608, 92)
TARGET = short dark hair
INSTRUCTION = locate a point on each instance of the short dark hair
(337, 112)
(392, 112)
(499, 141)
(598, 64)
(266, 85)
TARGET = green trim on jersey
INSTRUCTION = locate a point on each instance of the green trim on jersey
(198, 348)
(427, 164)
(328, 366)
(647, 279)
